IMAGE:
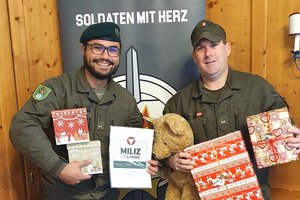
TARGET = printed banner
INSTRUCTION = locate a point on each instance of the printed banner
(156, 59)
(156, 56)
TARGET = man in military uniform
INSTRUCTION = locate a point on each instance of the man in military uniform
(106, 102)
(219, 101)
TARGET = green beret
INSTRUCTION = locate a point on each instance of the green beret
(105, 31)
(209, 30)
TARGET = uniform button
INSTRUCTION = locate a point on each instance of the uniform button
(99, 127)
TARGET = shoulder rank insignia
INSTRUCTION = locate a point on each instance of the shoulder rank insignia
(41, 93)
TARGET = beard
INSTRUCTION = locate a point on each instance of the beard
(98, 75)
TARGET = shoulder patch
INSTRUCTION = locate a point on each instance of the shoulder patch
(41, 93)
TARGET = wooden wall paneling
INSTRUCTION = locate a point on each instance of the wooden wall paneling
(11, 171)
(284, 194)
(19, 46)
(259, 9)
(286, 80)
(290, 82)
(270, 59)
(37, 57)
(43, 37)
(267, 57)
(234, 16)
(22, 74)
(275, 44)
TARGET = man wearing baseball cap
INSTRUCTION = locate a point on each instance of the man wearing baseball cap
(106, 102)
(218, 102)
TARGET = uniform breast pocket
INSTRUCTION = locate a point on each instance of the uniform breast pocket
(68, 104)
(199, 127)
(118, 117)
(240, 114)
(72, 105)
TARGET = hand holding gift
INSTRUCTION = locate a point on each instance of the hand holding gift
(272, 137)
(223, 169)
(294, 142)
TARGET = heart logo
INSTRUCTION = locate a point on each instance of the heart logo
(287, 147)
(274, 157)
(277, 132)
(251, 129)
(262, 144)
(265, 118)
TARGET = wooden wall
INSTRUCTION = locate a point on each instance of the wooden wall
(30, 53)
(11, 168)
(258, 31)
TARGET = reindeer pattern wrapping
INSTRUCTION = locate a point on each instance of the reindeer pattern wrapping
(223, 170)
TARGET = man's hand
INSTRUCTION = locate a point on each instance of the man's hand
(181, 162)
(294, 142)
(152, 167)
(72, 174)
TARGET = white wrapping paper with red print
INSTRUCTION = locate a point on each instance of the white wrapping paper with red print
(223, 170)
(268, 130)
(70, 126)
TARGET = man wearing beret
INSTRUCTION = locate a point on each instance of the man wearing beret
(106, 102)
(219, 101)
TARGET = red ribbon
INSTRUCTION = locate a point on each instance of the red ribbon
(271, 142)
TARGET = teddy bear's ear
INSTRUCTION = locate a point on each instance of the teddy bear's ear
(177, 123)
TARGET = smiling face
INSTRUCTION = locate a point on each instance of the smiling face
(212, 59)
(100, 66)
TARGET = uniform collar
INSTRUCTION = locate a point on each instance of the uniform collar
(82, 83)
(233, 82)
(84, 87)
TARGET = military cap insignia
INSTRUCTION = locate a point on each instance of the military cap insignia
(41, 93)
(117, 32)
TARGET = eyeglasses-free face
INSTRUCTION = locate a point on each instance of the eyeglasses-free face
(98, 49)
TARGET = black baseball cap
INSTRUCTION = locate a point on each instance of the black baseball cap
(209, 30)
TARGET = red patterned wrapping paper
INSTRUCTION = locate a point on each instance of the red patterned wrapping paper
(223, 170)
(268, 130)
(70, 126)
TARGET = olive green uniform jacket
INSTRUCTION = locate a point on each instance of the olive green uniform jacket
(32, 132)
(243, 95)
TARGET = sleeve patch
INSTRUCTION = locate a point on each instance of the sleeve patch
(41, 93)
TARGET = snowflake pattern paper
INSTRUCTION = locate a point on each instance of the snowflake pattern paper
(70, 126)
(84, 151)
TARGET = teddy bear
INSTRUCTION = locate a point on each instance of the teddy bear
(172, 134)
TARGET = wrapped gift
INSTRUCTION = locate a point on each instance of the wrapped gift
(87, 151)
(223, 170)
(268, 132)
(70, 126)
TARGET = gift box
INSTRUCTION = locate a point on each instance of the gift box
(87, 151)
(268, 131)
(70, 126)
(223, 170)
